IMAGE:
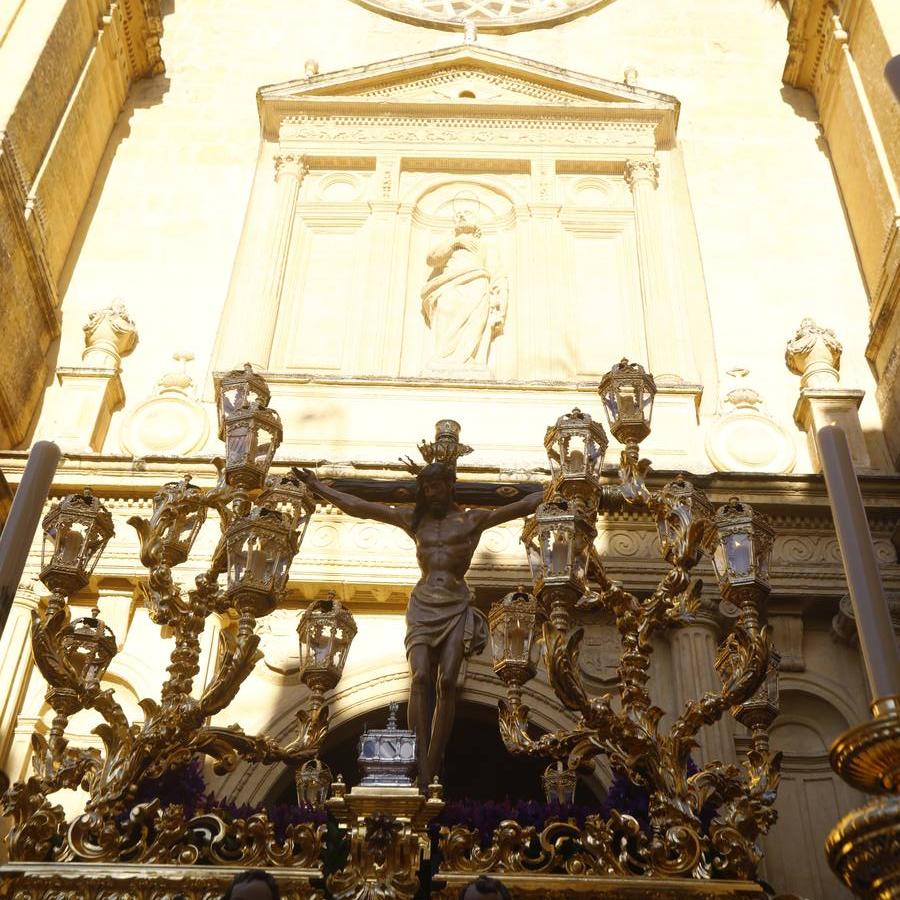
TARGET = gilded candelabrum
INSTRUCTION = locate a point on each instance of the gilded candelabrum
(863, 848)
(262, 520)
(570, 581)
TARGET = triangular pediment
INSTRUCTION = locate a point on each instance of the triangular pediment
(465, 76)
(468, 82)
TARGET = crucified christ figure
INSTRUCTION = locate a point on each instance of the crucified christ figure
(442, 626)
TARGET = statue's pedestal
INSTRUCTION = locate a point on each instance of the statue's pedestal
(388, 839)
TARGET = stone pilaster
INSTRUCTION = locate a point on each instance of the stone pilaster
(248, 322)
(660, 326)
(15, 665)
(693, 663)
(814, 353)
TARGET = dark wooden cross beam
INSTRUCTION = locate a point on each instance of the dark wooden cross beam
(468, 493)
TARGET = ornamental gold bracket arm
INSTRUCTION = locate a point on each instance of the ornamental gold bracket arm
(561, 652)
(633, 478)
(227, 744)
(234, 668)
(743, 661)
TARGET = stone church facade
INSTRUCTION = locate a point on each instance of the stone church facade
(408, 210)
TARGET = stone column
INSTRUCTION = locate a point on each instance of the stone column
(16, 664)
(693, 662)
(88, 395)
(814, 353)
(660, 324)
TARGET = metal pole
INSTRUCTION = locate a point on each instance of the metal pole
(18, 533)
(870, 609)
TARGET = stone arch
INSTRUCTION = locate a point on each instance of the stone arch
(365, 692)
(418, 194)
(811, 797)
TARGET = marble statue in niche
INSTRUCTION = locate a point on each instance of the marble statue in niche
(463, 304)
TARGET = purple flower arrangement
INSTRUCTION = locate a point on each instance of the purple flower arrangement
(187, 787)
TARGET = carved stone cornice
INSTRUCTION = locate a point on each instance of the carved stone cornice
(538, 105)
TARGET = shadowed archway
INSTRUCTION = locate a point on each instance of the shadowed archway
(477, 765)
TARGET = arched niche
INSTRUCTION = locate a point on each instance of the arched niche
(362, 698)
(465, 328)
(477, 765)
(811, 797)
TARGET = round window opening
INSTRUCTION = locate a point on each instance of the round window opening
(488, 15)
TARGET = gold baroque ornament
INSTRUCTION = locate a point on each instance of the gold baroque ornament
(381, 838)
(487, 15)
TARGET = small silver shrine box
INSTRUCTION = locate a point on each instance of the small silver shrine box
(387, 756)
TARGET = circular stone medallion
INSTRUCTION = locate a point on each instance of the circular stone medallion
(488, 15)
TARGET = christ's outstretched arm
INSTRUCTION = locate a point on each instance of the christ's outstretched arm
(519, 508)
(354, 506)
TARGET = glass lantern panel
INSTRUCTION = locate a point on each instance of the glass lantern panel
(534, 650)
(237, 445)
(629, 401)
(739, 553)
(277, 560)
(594, 458)
(498, 641)
(95, 541)
(48, 546)
(647, 404)
(258, 562)
(265, 448)
(554, 457)
(520, 635)
(557, 552)
(576, 455)
(719, 562)
(231, 399)
(319, 646)
(70, 543)
(238, 551)
(579, 561)
(611, 404)
(533, 553)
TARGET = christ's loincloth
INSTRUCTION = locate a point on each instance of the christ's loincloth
(433, 614)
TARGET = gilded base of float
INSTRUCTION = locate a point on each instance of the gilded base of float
(863, 849)
(86, 881)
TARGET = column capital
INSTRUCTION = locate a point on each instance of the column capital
(28, 595)
(707, 615)
(290, 164)
(644, 169)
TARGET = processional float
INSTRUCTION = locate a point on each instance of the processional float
(381, 831)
